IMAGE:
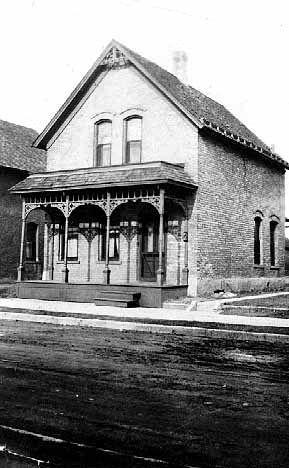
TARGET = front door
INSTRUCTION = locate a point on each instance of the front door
(149, 250)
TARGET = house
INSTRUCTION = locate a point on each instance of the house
(17, 160)
(153, 189)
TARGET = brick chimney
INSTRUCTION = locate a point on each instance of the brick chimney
(180, 60)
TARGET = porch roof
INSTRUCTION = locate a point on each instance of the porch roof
(110, 176)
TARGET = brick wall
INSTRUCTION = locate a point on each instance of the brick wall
(10, 223)
(233, 185)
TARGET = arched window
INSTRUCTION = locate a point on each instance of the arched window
(273, 242)
(32, 242)
(103, 143)
(258, 240)
(133, 139)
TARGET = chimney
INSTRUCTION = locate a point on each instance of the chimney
(180, 60)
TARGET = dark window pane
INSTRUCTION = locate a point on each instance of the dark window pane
(31, 239)
(273, 226)
(72, 244)
(257, 241)
(113, 244)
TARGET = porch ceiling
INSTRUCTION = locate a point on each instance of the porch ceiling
(111, 176)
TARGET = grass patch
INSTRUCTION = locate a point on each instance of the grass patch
(273, 301)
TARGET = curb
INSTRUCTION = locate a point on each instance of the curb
(196, 331)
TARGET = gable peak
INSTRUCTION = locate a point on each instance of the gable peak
(114, 58)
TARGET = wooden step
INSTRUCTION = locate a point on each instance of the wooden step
(115, 303)
(117, 298)
(118, 294)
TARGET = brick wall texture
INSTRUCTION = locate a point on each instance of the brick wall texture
(10, 223)
(233, 185)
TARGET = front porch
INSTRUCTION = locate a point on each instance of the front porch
(151, 295)
(132, 236)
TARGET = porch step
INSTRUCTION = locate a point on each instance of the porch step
(117, 298)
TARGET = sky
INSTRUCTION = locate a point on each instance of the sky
(237, 51)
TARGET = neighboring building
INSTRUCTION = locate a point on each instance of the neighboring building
(17, 160)
(151, 187)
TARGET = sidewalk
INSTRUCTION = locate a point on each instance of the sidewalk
(204, 322)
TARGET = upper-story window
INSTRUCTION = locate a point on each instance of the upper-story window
(133, 139)
(103, 143)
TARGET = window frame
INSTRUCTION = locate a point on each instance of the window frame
(34, 257)
(96, 145)
(114, 235)
(126, 142)
(273, 233)
(73, 233)
(258, 242)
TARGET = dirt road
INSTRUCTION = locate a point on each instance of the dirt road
(186, 400)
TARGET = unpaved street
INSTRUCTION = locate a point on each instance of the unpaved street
(187, 400)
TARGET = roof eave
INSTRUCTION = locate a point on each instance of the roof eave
(161, 181)
(274, 158)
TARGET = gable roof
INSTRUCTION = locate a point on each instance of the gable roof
(16, 149)
(202, 110)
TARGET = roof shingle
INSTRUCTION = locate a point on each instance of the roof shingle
(114, 176)
(16, 148)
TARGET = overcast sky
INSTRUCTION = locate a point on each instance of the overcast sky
(238, 53)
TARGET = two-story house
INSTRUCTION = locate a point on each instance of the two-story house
(152, 188)
(17, 160)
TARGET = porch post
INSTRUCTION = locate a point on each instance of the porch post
(21, 268)
(45, 273)
(106, 271)
(186, 252)
(160, 272)
(65, 270)
(51, 270)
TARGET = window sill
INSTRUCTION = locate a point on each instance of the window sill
(61, 262)
(111, 262)
(274, 267)
(261, 267)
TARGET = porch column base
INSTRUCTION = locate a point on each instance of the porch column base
(106, 275)
(160, 276)
(20, 271)
(185, 275)
(65, 272)
(45, 275)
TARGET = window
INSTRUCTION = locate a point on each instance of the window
(103, 143)
(72, 247)
(258, 241)
(133, 140)
(113, 243)
(32, 242)
(273, 242)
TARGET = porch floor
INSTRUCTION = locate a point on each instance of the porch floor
(152, 294)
